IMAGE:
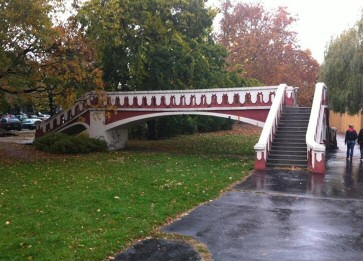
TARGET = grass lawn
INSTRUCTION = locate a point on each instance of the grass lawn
(90, 207)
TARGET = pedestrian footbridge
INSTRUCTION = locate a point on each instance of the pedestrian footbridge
(108, 115)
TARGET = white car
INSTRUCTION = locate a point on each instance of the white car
(30, 123)
(43, 116)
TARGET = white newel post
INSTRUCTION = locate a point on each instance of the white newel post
(289, 100)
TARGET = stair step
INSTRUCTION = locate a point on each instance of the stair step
(287, 157)
(287, 153)
(286, 139)
(297, 109)
(290, 162)
(296, 114)
(281, 134)
(289, 145)
(293, 124)
(277, 165)
(275, 147)
(292, 128)
(295, 119)
(282, 120)
(287, 120)
(290, 137)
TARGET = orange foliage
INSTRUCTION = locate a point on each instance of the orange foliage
(69, 69)
(262, 46)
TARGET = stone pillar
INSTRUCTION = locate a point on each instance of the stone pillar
(260, 159)
(116, 138)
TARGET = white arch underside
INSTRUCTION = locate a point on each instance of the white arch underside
(74, 124)
(140, 118)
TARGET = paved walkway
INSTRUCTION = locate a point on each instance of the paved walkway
(286, 215)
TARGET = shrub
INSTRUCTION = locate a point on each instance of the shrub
(66, 144)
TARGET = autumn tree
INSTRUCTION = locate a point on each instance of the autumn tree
(342, 70)
(261, 45)
(69, 69)
(25, 28)
(38, 57)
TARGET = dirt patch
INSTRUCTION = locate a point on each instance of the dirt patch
(20, 137)
(17, 147)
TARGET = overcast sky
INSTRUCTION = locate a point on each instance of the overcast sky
(318, 20)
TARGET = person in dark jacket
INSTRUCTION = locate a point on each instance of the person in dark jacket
(360, 142)
(350, 137)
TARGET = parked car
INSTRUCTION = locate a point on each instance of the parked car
(10, 122)
(43, 116)
(30, 123)
(21, 116)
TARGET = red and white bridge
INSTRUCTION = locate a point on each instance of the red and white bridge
(108, 116)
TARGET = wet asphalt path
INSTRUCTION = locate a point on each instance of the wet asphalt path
(286, 215)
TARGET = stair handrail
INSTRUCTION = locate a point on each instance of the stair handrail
(315, 131)
(313, 134)
(264, 143)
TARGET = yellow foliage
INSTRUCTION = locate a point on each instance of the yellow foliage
(68, 99)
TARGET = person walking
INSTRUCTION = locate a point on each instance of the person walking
(360, 142)
(350, 137)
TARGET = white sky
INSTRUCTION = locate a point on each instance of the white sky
(318, 20)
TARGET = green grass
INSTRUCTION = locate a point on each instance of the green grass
(90, 207)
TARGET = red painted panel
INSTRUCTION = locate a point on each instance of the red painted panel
(319, 167)
(259, 115)
(289, 102)
(121, 115)
(260, 164)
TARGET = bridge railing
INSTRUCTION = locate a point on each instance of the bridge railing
(315, 135)
(263, 146)
(193, 99)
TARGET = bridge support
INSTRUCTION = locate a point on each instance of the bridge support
(116, 138)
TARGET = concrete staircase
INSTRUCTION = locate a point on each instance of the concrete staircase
(289, 148)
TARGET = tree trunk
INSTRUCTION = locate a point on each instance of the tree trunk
(51, 103)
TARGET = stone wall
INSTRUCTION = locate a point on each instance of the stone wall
(341, 121)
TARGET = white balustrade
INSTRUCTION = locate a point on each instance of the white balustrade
(269, 129)
(316, 129)
(190, 98)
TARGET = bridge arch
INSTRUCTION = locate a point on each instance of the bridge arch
(75, 128)
(141, 118)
